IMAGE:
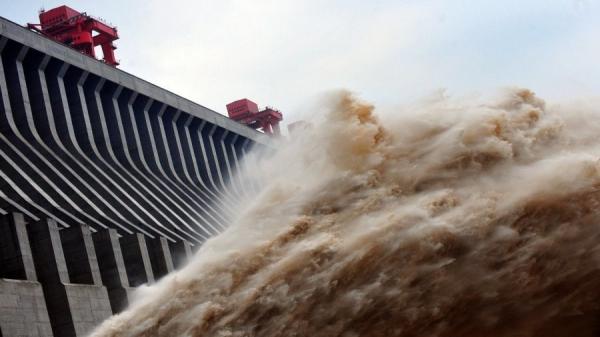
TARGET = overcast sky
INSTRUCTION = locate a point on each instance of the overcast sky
(285, 53)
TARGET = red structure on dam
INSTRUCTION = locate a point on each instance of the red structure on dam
(246, 112)
(80, 31)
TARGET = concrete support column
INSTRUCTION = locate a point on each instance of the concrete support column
(160, 257)
(112, 268)
(16, 260)
(80, 255)
(23, 310)
(181, 252)
(52, 272)
(74, 308)
(137, 260)
(48, 254)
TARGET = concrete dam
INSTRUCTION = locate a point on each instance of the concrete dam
(107, 182)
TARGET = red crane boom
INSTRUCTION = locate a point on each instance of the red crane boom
(79, 31)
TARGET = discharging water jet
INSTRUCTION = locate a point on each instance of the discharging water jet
(457, 218)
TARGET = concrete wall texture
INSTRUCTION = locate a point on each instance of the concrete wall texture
(107, 182)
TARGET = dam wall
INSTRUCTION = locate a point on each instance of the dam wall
(107, 182)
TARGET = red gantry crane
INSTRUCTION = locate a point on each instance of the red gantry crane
(246, 112)
(79, 31)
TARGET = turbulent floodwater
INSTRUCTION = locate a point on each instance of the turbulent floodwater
(453, 218)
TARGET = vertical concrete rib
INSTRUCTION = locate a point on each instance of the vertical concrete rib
(92, 141)
(165, 141)
(80, 255)
(225, 162)
(140, 186)
(75, 143)
(112, 268)
(236, 174)
(78, 169)
(211, 165)
(185, 163)
(41, 159)
(250, 167)
(242, 173)
(52, 272)
(68, 175)
(160, 257)
(146, 163)
(7, 125)
(199, 202)
(194, 137)
(219, 163)
(207, 166)
(211, 143)
(210, 212)
(87, 164)
(230, 162)
(181, 251)
(140, 152)
(53, 110)
(148, 185)
(137, 260)
(127, 181)
(223, 209)
(47, 251)
(16, 259)
(149, 150)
